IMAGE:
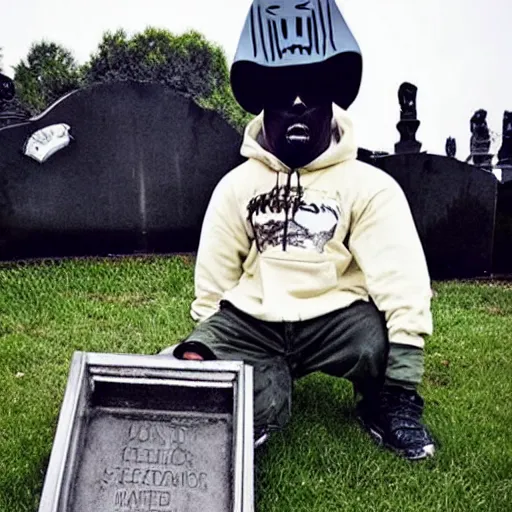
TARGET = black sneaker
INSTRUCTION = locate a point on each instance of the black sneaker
(393, 420)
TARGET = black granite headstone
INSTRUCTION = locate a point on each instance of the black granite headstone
(502, 261)
(367, 156)
(506, 173)
(453, 205)
(136, 177)
(505, 151)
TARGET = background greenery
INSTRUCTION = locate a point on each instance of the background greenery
(322, 462)
(187, 63)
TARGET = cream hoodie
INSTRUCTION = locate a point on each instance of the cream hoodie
(286, 245)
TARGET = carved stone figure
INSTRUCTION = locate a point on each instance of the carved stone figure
(505, 152)
(451, 147)
(11, 111)
(407, 99)
(480, 140)
(7, 90)
(408, 124)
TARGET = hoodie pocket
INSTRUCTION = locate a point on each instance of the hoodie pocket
(297, 279)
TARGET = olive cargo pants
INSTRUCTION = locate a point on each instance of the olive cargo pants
(351, 343)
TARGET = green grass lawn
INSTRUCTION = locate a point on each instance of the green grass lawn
(322, 462)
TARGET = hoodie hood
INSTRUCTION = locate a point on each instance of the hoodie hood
(342, 147)
(311, 35)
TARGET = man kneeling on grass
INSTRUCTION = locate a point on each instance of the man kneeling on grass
(309, 260)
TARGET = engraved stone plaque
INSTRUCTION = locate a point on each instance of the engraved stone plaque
(152, 434)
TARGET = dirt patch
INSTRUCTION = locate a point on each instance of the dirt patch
(494, 310)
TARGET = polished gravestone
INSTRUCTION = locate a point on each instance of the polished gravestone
(152, 434)
(454, 208)
(502, 263)
(136, 176)
(505, 151)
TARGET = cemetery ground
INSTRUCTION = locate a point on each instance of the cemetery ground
(323, 462)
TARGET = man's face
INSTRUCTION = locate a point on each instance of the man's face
(297, 125)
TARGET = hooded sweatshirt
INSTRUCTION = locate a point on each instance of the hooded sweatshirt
(291, 245)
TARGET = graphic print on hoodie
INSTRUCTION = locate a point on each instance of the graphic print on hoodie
(292, 216)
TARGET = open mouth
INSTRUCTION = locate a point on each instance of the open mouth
(297, 132)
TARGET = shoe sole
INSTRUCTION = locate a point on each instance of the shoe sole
(261, 440)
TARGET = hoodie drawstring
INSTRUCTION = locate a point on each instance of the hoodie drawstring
(279, 199)
(293, 205)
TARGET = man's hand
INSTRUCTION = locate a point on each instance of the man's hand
(193, 351)
(192, 356)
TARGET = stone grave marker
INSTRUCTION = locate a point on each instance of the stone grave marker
(136, 176)
(152, 434)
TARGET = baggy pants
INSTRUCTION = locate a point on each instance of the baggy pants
(351, 343)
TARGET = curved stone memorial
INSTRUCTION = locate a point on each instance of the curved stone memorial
(152, 434)
(502, 257)
(135, 176)
(454, 208)
(505, 151)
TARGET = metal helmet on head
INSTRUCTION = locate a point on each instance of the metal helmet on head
(283, 37)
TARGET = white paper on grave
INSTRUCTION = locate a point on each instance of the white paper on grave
(42, 144)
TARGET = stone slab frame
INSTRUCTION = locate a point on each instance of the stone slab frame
(139, 432)
(454, 208)
(136, 177)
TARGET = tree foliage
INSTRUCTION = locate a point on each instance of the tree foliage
(188, 64)
(48, 72)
